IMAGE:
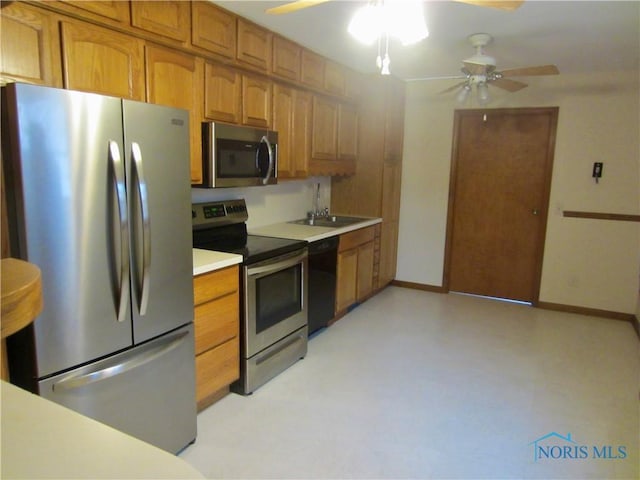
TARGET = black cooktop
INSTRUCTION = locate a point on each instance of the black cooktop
(221, 226)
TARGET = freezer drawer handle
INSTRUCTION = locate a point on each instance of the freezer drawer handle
(119, 180)
(77, 381)
(143, 193)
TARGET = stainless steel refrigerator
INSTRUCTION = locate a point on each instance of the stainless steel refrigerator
(98, 192)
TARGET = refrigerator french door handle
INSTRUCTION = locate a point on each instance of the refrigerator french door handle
(143, 194)
(77, 381)
(121, 195)
(265, 140)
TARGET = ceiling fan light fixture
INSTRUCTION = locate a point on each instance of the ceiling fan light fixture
(463, 94)
(483, 93)
(366, 24)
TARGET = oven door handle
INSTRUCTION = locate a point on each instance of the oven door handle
(282, 262)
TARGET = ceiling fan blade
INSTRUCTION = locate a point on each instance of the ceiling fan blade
(475, 68)
(531, 71)
(502, 5)
(452, 88)
(293, 6)
(506, 84)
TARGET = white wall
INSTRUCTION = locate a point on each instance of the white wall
(288, 200)
(587, 263)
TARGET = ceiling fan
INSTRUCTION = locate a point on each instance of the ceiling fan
(480, 70)
(300, 4)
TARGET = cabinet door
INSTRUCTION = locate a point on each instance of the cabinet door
(177, 79)
(347, 273)
(312, 69)
(286, 58)
(347, 132)
(256, 101)
(365, 271)
(283, 105)
(168, 18)
(102, 61)
(30, 50)
(223, 93)
(388, 253)
(325, 129)
(213, 29)
(301, 136)
(334, 78)
(113, 9)
(394, 120)
(254, 45)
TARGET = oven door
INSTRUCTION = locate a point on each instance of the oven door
(275, 300)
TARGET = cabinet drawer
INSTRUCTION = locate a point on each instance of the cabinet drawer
(355, 238)
(209, 286)
(217, 368)
(216, 322)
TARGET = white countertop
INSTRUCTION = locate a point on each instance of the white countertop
(207, 261)
(308, 232)
(41, 439)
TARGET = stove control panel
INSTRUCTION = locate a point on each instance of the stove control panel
(224, 212)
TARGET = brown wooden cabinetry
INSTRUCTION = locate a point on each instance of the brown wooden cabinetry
(286, 58)
(334, 139)
(254, 45)
(216, 321)
(30, 48)
(113, 9)
(312, 69)
(223, 93)
(334, 78)
(292, 121)
(169, 18)
(374, 190)
(213, 29)
(256, 101)
(100, 60)
(177, 79)
(355, 268)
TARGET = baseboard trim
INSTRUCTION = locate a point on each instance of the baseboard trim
(594, 312)
(419, 286)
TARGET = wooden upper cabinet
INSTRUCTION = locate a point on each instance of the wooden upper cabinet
(213, 29)
(254, 45)
(325, 129)
(223, 93)
(292, 120)
(286, 58)
(347, 132)
(256, 101)
(30, 48)
(171, 19)
(312, 69)
(113, 9)
(177, 79)
(99, 60)
(334, 78)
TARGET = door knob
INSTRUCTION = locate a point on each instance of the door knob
(534, 211)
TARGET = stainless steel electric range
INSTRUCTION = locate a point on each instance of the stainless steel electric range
(273, 279)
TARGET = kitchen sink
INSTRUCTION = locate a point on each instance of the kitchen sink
(336, 221)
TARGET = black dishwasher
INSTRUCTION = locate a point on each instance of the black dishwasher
(323, 255)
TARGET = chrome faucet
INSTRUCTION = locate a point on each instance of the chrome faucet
(317, 212)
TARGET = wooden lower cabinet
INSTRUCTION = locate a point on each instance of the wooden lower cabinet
(355, 269)
(217, 347)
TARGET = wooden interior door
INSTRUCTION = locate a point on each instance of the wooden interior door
(500, 179)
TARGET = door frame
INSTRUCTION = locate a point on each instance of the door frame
(544, 211)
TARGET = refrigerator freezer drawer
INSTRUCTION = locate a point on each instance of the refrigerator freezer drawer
(147, 391)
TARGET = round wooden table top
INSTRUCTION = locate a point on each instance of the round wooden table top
(21, 295)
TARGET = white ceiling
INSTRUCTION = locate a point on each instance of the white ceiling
(577, 36)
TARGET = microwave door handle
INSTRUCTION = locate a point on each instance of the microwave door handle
(123, 222)
(265, 140)
(143, 194)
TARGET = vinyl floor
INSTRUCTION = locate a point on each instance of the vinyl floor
(414, 384)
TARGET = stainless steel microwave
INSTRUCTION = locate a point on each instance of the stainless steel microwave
(237, 156)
